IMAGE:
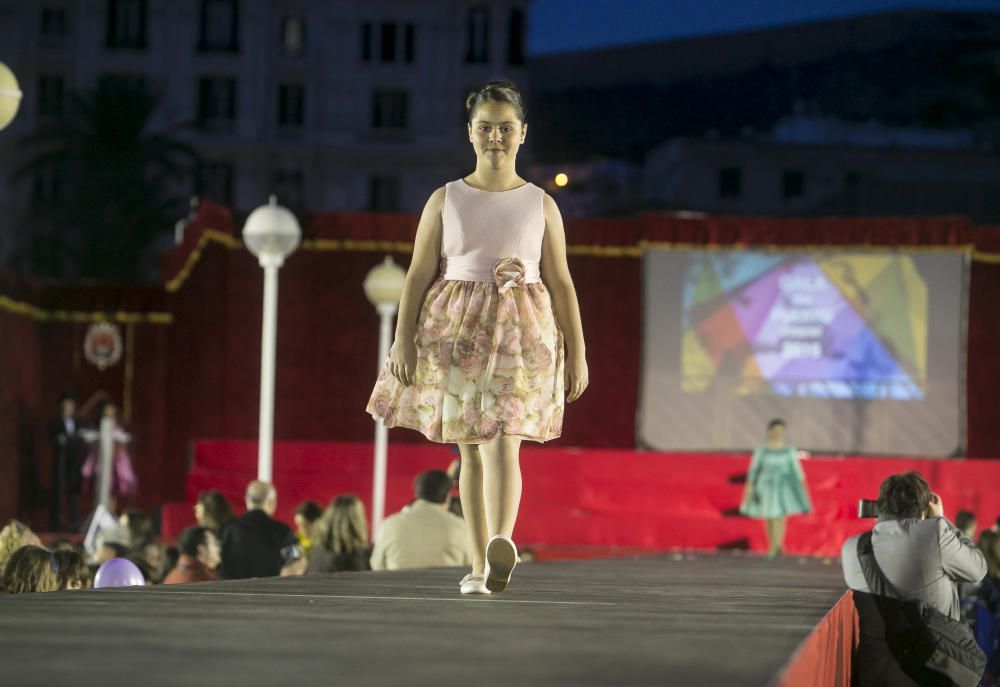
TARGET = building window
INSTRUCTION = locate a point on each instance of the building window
(730, 182)
(219, 26)
(387, 42)
(389, 110)
(293, 37)
(131, 82)
(793, 184)
(478, 34)
(409, 43)
(215, 182)
(46, 187)
(366, 42)
(291, 105)
(216, 103)
(55, 23)
(515, 37)
(126, 24)
(383, 194)
(51, 88)
(289, 187)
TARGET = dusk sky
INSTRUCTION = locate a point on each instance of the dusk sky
(562, 25)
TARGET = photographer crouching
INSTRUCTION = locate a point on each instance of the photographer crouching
(904, 574)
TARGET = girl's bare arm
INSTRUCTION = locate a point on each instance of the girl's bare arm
(555, 274)
(423, 268)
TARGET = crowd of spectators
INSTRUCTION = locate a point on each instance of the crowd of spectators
(426, 533)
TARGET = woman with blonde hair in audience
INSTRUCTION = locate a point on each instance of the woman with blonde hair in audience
(13, 536)
(30, 569)
(340, 537)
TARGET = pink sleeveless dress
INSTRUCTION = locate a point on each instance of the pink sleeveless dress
(490, 354)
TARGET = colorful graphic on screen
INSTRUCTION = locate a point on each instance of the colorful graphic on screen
(842, 326)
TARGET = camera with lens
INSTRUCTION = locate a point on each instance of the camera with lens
(868, 508)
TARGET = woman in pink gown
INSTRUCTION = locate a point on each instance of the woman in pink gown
(123, 479)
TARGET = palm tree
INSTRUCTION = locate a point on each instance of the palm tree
(105, 185)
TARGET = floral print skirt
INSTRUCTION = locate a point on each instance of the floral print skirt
(489, 363)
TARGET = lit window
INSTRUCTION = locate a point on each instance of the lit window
(293, 37)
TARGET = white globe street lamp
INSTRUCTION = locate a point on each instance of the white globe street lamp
(272, 234)
(383, 287)
(10, 96)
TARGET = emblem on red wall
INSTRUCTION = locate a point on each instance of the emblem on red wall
(103, 345)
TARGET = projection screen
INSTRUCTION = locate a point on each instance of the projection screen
(859, 351)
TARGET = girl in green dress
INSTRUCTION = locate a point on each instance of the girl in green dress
(775, 486)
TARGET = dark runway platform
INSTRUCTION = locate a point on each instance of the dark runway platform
(696, 620)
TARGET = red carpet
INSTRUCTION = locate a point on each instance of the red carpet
(599, 500)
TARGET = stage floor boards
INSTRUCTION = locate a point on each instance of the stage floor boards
(697, 620)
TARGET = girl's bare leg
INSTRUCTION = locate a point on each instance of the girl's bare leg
(470, 490)
(769, 530)
(779, 534)
(501, 484)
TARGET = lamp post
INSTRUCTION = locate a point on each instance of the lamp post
(383, 287)
(10, 96)
(272, 234)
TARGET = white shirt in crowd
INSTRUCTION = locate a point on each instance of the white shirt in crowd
(425, 535)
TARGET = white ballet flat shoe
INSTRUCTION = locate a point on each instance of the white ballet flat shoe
(474, 584)
(501, 558)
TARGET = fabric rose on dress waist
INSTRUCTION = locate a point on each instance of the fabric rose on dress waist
(508, 273)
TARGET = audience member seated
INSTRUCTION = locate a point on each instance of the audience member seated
(340, 537)
(171, 555)
(922, 556)
(109, 550)
(306, 515)
(140, 562)
(29, 569)
(966, 522)
(138, 529)
(986, 615)
(426, 534)
(214, 512)
(199, 557)
(155, 556)
(13, 536)
(72, 570)
(257, 545)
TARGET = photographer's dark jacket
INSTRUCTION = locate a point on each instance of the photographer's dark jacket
(923, 559)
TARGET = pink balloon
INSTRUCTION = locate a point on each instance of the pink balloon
(118, 572)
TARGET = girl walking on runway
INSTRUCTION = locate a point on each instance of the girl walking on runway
(776, 486)
(488, 350)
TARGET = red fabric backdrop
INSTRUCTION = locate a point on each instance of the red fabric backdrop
(600, 498)
(198, 377)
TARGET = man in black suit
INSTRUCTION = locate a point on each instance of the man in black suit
(257, 545)
(68, 450)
